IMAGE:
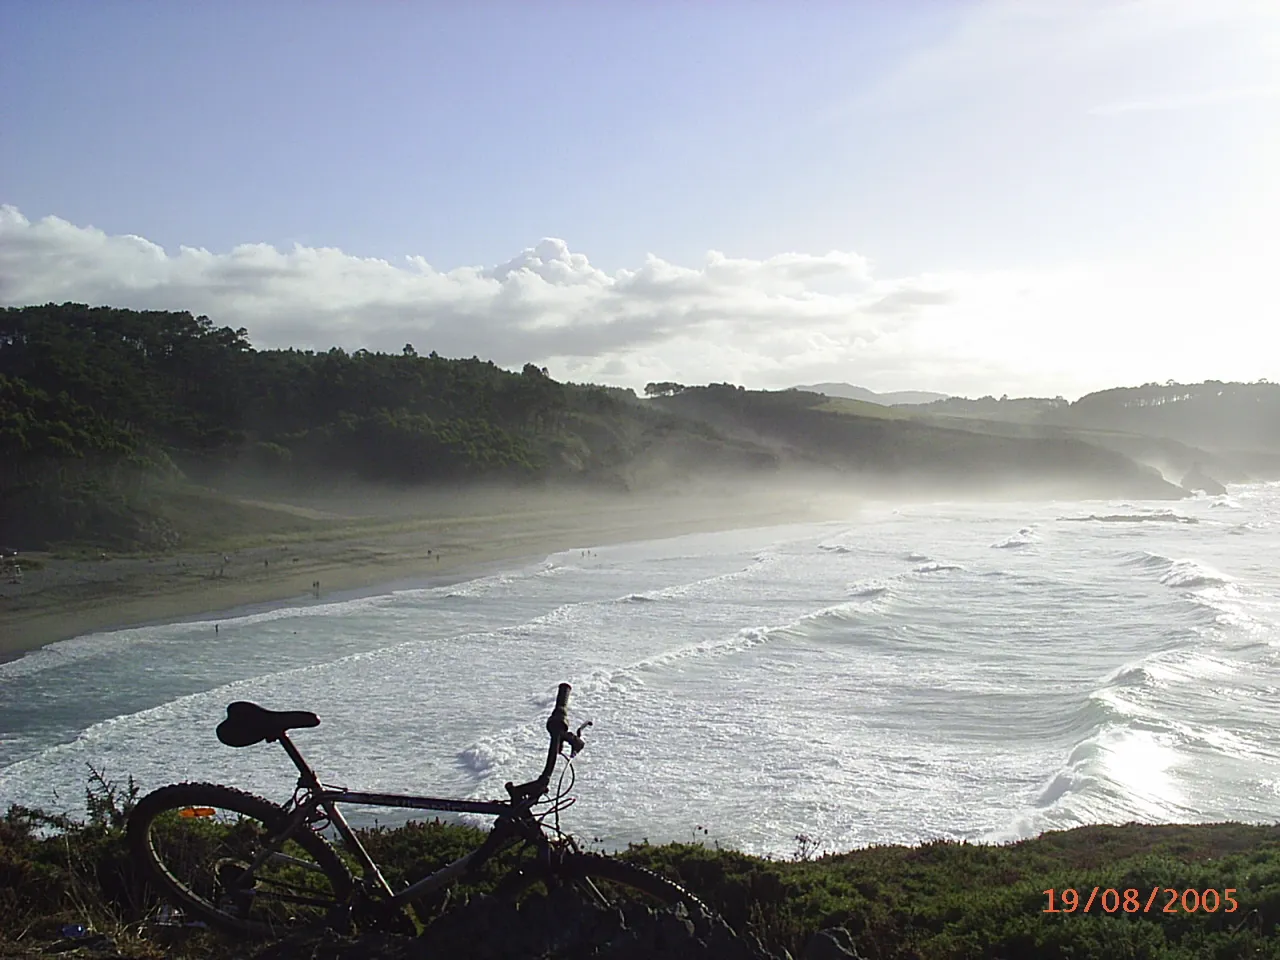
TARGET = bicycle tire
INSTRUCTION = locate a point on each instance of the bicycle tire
(205, 881)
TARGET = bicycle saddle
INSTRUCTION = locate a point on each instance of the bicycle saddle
(247, 723)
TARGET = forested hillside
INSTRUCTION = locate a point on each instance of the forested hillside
(101, 407)
(1216, 416)
(912, 452)
(97, 403)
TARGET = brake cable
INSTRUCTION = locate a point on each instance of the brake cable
(560, 801)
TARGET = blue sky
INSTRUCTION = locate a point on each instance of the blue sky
(1026, 197)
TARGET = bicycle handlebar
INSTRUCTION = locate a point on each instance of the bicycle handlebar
(558, 729)
(558, 723)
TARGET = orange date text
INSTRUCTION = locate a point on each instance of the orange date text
(1133, 900)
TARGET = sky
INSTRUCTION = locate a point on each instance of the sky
(1032, 198)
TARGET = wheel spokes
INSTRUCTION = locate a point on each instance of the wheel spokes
(233, 863)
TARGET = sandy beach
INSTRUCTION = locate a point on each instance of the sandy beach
(371, 548)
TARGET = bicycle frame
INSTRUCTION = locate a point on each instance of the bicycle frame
(509, 828)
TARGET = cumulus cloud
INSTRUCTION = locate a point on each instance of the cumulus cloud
(547, 303)
(787, 319)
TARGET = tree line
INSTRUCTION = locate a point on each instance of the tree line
(1216, 415)
(95, 400)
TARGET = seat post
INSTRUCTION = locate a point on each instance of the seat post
(309, 777)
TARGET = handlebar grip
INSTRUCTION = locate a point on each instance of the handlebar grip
(562, 698)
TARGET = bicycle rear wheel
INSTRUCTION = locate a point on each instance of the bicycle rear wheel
(197, 841)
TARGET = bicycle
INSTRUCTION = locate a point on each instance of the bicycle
(270, 869)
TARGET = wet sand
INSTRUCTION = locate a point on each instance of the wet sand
(65, 598)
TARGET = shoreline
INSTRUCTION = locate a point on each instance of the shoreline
(67, 598)
(338, 595)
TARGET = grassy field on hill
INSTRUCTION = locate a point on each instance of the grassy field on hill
(863, 408)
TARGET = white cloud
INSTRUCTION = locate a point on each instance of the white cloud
(791, 318)
(547, 301)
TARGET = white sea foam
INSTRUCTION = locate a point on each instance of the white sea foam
(1023, 538)
(880, 681)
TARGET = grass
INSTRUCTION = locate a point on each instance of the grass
(862, 408)
(953, 900)
(935, 900)
(202, 519)
(213, 520)
(56, 872)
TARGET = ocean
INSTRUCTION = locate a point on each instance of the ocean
(978, 671)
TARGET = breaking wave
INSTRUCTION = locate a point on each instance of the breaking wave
(1160, 516)
(883, 680)
(1023, 538)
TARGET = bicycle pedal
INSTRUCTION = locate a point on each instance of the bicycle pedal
(233, 892)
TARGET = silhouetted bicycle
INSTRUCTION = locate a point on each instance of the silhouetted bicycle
(251, 866)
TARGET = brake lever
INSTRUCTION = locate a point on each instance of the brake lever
(576, 744)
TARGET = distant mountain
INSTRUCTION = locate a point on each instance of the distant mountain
(850, 392)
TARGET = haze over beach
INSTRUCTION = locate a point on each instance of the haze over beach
(868, 408)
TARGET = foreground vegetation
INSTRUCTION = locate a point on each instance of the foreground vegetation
(936, 900)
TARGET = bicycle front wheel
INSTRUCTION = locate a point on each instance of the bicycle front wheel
(606, 881)
(200, 842)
